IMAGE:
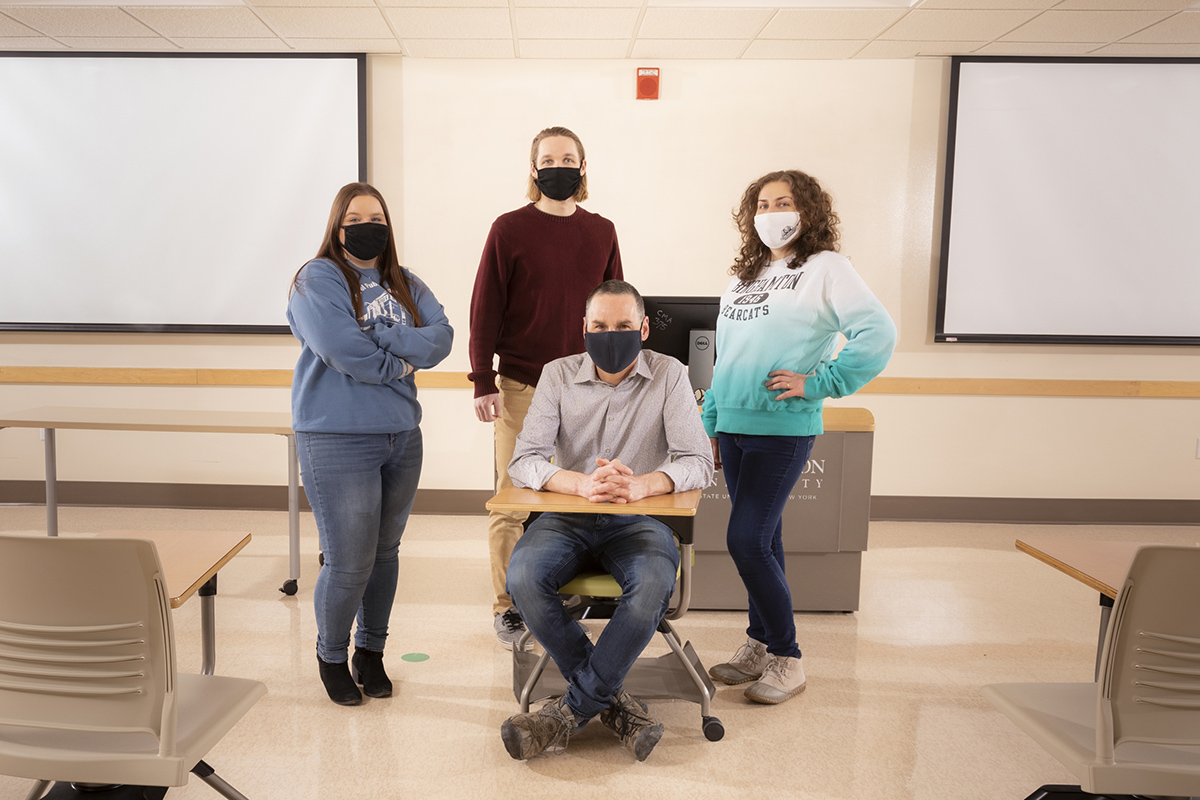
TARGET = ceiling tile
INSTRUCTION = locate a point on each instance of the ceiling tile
(994, 5)
(1123, 5)
(260, 4)
(1149, 50)
(134, 45)
(1179, 29)
(577, 3)
(30, 43)
(239, 45)
(10, 27)
(688, 48)
(451, 23)
(370, 45)
(1036, 49)
(445, 3)
(806, 23)
(800, 49)
(882, 49)
(1083, 26)
(702, 23)
(573, 48)
(576, 23)
(460, 48)
(215, 23)
(327, 23)
(955, 26)
(80, 21)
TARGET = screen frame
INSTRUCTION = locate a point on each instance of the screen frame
(941, 335)
(214, 328)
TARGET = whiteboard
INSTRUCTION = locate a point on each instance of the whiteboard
(1072, 206)
(163, 193)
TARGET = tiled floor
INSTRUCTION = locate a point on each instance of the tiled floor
(892, 708)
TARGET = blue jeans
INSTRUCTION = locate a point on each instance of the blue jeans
(760, 471)
(361, 489)
(639, 552)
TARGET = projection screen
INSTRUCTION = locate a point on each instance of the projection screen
(1072, 202)
(169, 193)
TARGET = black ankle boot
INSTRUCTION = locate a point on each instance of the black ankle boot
(367, 668)
(338, 683)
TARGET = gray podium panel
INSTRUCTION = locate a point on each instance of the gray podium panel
(824, 531)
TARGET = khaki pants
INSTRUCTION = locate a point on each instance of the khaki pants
(504, 529)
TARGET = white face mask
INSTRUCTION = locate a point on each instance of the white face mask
(777, 228)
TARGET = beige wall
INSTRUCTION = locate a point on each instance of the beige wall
(448, 143)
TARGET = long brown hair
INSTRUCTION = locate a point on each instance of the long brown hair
(818, 223)
(391, 273)
(532, 191)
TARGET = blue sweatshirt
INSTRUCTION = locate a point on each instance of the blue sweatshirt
(355, 375)
(790, 319)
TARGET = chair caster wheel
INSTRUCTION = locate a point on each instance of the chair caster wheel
(714, 731)
(321, 559)
(289, 587)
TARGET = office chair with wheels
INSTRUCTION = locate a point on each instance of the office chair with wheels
(675, 675)
(1135, 731)
(89, 692)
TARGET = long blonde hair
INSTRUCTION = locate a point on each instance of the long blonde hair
(532, 191)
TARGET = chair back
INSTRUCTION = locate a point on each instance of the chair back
(86, 642)
(1150, 673)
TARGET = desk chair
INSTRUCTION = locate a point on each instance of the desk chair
(675, 675)
(1137, 729)
(89, 692)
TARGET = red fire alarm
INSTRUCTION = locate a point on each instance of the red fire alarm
(647, 83)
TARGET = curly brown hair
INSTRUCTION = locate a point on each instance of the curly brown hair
(818, 223)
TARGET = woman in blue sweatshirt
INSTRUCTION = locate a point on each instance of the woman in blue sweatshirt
(777, 335)
(365, 323)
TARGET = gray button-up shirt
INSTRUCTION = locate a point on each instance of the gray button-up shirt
(649, 421)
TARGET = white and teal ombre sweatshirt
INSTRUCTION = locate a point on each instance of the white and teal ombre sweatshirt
(790, 319)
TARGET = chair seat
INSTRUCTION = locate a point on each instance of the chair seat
(1061, 717)
(208, 707)
(597, 584)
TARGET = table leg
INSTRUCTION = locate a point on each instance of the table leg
(208, 625)
(290, 585)
(51, 483)
(1106, 606)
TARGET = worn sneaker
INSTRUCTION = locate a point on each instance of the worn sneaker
(627, 717)
(548, 728)
(782, 678)
(746, 665)
(510, 628)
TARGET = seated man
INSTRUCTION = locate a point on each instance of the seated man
(620, 424)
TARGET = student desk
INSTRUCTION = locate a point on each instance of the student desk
(190, 562)
(1100, 565)
(49, 419)
(659, 677)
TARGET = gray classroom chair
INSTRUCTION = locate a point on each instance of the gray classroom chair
(1137, 729)
(89, 693)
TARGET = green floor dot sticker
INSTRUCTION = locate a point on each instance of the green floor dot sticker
(414, 657)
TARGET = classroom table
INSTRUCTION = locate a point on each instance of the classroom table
(650, 677)
(52, 418)
(1100, 565)
(190, 562)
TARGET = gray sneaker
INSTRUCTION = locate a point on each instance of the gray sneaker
(782, 678)
(628, 718)
(510, 628)
(548, 728)
(747, 664)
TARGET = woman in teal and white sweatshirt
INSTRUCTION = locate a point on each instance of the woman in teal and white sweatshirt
(777, 335)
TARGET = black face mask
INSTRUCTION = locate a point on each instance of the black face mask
(559, 183)
(366, 240)
(613, 351)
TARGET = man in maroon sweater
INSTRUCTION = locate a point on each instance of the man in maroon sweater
(539, 264)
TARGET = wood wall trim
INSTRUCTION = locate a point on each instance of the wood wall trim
(993, 387)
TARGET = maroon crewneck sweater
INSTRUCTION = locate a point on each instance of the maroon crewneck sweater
(533, 281)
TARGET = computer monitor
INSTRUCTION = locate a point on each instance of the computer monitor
(686, 328)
